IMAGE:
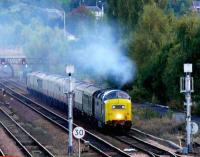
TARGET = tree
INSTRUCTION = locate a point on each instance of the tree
(185, 49)
(152, 34)
(179, 7)
(125, 13)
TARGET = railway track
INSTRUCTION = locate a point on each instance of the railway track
(98, 144)
(133, 141)
(140, 133)
(1, 153)
(27, 143)
(148, 146)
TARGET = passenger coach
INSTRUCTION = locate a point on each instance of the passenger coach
(106, 107)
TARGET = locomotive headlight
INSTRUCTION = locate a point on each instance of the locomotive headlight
(119, 116)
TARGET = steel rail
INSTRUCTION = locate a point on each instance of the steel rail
(162, 151)
(149, 147)
(1, 153)
(134, 130)
(146, 151)
(22, 137)
(20, 145)
(135, 146)
(95, 142)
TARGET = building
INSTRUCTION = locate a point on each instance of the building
(96, 11)
(196, 6)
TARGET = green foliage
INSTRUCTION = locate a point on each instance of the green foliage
(45, 43)
(196, 108)
(185, 48)
(145, 113)
(160, 42)
(139, 94)
(80, 21)
(176, 104)
(65, 4)
(152, 34)
(40, 34)
(179, 7)
(124, 13)
(37, 40)
(127, 13)
(159, 35)
(161, 66)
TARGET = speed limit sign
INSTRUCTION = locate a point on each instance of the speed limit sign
(78, 132)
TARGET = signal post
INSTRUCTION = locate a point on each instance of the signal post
(70, 71)
(186, 87)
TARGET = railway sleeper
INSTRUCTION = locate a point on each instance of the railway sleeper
(28, 143)
(33, 147)
(15, 131)
(36, 153)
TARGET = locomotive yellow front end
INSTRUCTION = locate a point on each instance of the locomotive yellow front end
(118, 109)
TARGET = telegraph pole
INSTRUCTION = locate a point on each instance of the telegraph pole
(70, 71)
(186, 87)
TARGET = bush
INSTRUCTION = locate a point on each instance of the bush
(196, 108)
(139, 94)
(145, 113)
(150, 122)
(176, 105)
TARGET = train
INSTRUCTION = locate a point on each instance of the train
(104, 107)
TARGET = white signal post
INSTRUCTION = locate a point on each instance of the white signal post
(186, 87)
(79, 133)
(70, 71)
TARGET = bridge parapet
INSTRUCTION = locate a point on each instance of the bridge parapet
(20, 60)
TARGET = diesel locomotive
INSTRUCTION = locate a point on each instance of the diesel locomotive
(106, 107)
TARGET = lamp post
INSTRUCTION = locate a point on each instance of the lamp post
(70, 71)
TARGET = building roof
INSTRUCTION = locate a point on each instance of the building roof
(93, 8)
(84, 8)
(196, 4)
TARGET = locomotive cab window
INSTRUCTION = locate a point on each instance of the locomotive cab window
(115, 95)
(123, 95)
